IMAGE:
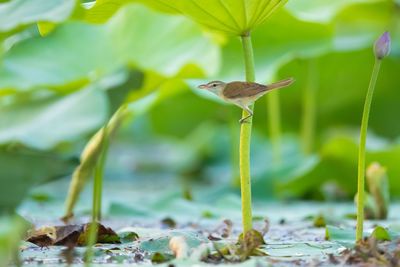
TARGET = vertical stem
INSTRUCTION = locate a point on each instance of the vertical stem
(361, 152)
(248, 58)
(98, 178)
(97, 197)
(234, 127)
(245, 139)
(274, 118)
(309, 109)
(91, 241)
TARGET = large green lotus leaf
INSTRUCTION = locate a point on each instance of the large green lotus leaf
(272, 48)
(21, 169)
(337, 163)
(102, 10)
(160, 42)
(231, 11)
(59, 58)
(19, 13)
(321, 10)
(47, 121)
(229, 16)
(135, 36)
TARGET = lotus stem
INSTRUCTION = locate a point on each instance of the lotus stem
(245, 139)
(97, 196)
(309, 109)
(361, 152)
(274, 119)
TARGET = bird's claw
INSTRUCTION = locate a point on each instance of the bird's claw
(244, 120)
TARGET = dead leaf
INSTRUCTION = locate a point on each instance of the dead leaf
(70, 235)
(222, 231)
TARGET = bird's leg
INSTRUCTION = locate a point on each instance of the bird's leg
(244, 120)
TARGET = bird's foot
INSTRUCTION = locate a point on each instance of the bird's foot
(244, 120)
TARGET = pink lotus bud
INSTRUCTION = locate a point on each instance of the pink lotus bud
(382, 46)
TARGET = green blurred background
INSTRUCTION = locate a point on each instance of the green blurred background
(57, 89)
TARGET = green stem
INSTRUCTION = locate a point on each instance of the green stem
(245, 139)
(98, 178)
(91, 241)
(97, 196)
(361, 152)
(274, 118)
(234, 127)
(309, 109)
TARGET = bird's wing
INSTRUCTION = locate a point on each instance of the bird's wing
(235, 90)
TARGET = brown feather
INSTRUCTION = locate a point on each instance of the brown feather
(234, 90)
(280, 84)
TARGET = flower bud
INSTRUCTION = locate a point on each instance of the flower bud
(382, 46)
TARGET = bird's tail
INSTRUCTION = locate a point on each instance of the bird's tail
(280, 84)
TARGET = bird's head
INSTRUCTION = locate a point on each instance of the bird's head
(214, 86)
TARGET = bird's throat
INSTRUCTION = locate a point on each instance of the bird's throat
(217, 91)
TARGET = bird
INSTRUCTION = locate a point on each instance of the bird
(243, 94)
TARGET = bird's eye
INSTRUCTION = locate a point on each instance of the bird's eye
(214, 85)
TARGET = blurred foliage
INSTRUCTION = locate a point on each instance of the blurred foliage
(103, 49)
(342, 81)
(21, 169)
(346, 236)
(46, 121)
(12, 229)
(90, 156)
(336, 164)
(378, 188)
(19, 14)
(273, 48)
(56, 90)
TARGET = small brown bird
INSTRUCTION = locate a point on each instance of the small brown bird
(242, 94)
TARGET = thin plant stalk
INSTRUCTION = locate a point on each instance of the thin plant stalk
(309, 109)
(274, 119)
(98, 178)
(245, 139)
(97, 197)
(89, 160)
(361, 153)
(234, 150)
(91, 241)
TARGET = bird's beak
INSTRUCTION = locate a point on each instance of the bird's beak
(202, 86)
